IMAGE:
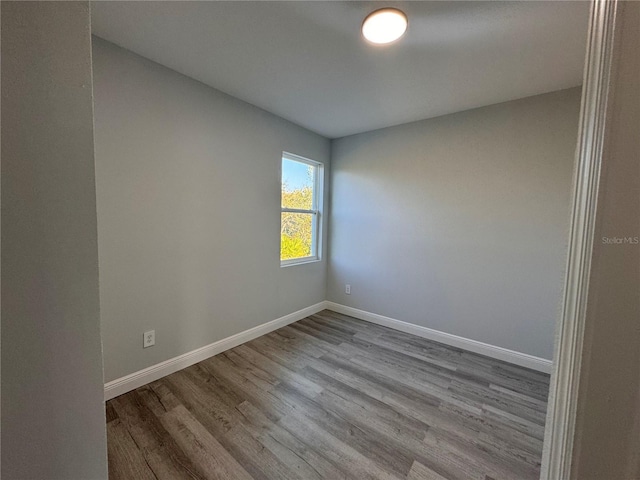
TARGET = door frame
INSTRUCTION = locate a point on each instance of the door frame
(565, 379)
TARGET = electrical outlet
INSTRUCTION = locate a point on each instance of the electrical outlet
(149, 339)
(347, 289)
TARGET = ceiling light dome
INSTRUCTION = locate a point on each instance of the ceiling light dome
(384, 26)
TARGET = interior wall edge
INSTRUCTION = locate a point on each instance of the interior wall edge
(53, 417)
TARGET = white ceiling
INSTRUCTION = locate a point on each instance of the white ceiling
(306, 61)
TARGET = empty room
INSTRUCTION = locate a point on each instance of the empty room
(318, 240)
(451, 228)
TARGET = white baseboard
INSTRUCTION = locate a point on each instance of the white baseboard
(504, 354)
(142, 377)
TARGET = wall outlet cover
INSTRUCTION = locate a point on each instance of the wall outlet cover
(149, 339)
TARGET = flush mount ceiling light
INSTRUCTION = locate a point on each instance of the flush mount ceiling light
(384, 26)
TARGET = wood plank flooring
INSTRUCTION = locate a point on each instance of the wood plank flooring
(332, 397)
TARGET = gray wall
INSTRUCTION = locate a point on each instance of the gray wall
(188, 185)
(53, 422)
(607, 441)
(459, 223)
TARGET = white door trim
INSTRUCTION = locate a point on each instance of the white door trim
(561, 416)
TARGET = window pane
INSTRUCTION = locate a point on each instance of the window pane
(297, 184)
(296, 235)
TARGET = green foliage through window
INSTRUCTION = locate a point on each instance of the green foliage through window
(298, 227)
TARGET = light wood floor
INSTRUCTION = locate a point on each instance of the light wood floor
(333, 397)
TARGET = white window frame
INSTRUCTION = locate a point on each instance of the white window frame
(316, 209)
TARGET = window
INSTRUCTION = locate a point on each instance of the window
(300, 225)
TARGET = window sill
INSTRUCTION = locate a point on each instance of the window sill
(302, 261)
